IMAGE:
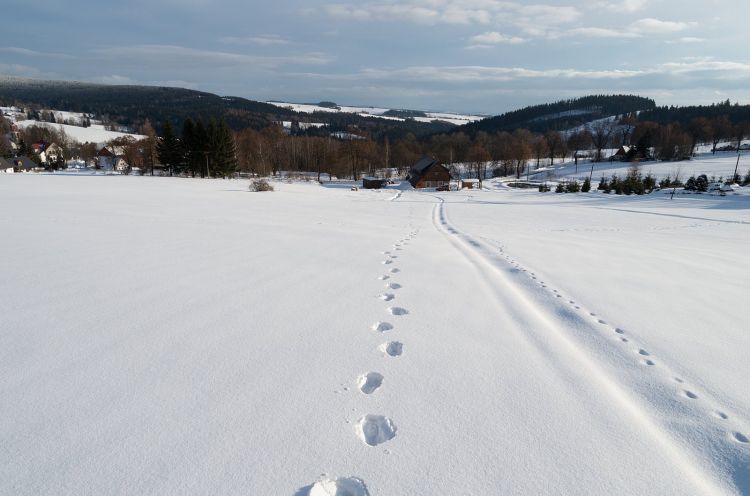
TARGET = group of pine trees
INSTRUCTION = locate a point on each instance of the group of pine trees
(201, 150)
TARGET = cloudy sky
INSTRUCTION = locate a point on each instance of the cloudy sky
(485, 56)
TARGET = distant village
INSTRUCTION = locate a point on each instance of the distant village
(34, 141)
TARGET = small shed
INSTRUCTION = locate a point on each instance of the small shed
(428, 173)
(469, 183)
(373, 183)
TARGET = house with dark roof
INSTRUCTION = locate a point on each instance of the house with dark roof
(429, 173)
(24, 164)
(6, 165)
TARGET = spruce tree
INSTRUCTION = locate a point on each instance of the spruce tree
(169, 149)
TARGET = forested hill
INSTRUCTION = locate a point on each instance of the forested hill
(130, 105)
(665, 115)
(561, 115)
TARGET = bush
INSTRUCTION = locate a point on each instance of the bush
(586, 187)
(544, 188)
(649, 182)
(701, 183)
(604, 185)
(573, 187)
(260, 185)
(560, 188)
(746, 179)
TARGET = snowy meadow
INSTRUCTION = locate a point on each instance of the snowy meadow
(179, 336)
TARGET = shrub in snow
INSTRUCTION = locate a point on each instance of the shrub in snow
(573, 187)
(544, 187)
(746, 179)
(701, 183)
(586, 186)
(260, 185)
(604, 185)
(560, 188)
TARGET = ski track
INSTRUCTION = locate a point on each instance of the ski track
(494, 270)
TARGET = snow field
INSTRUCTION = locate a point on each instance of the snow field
(168, 335)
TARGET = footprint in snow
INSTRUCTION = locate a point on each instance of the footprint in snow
(741, 438)
(690, 394)
(375, 429)
(603, 322)
(395, 270)
(721, 415)
(397, 311)
(649, 362)
(382, 326)
(619, 331)
(643, 352)
(393, 285)
(347, 486)
(370, 382)
(384, 277)
(387, 262)
(392, 348)
(387, 296)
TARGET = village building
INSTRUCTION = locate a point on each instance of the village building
(428, 173)
(112, 158)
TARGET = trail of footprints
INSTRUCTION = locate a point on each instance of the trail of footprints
(644, 355)
(372, 429)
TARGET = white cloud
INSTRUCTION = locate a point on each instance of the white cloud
(656, 26)
(599, 33)
(494, 38)
(168, 56)
(625, 5)
(469, 12)
(32, 53)
(687, 39)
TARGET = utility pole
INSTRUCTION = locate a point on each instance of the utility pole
(738, 162)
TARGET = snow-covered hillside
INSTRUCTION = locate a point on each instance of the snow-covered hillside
(457, 119)
(96, 133)
(719, 165)
(165, 336)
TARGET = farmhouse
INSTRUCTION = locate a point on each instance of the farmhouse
(428, 173)
(112, 158)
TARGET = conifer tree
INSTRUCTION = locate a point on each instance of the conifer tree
(169, 149)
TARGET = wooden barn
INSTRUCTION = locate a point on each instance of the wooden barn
(428, 173)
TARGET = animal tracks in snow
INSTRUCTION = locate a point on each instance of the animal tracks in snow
(387, 296)
(516, 270)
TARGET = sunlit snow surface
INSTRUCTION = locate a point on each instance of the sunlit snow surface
(184, 336)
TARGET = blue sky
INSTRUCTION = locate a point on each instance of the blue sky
(485, 56)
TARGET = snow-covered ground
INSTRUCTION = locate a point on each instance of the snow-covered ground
(457, 119)
(96, 133)
(178, 336)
